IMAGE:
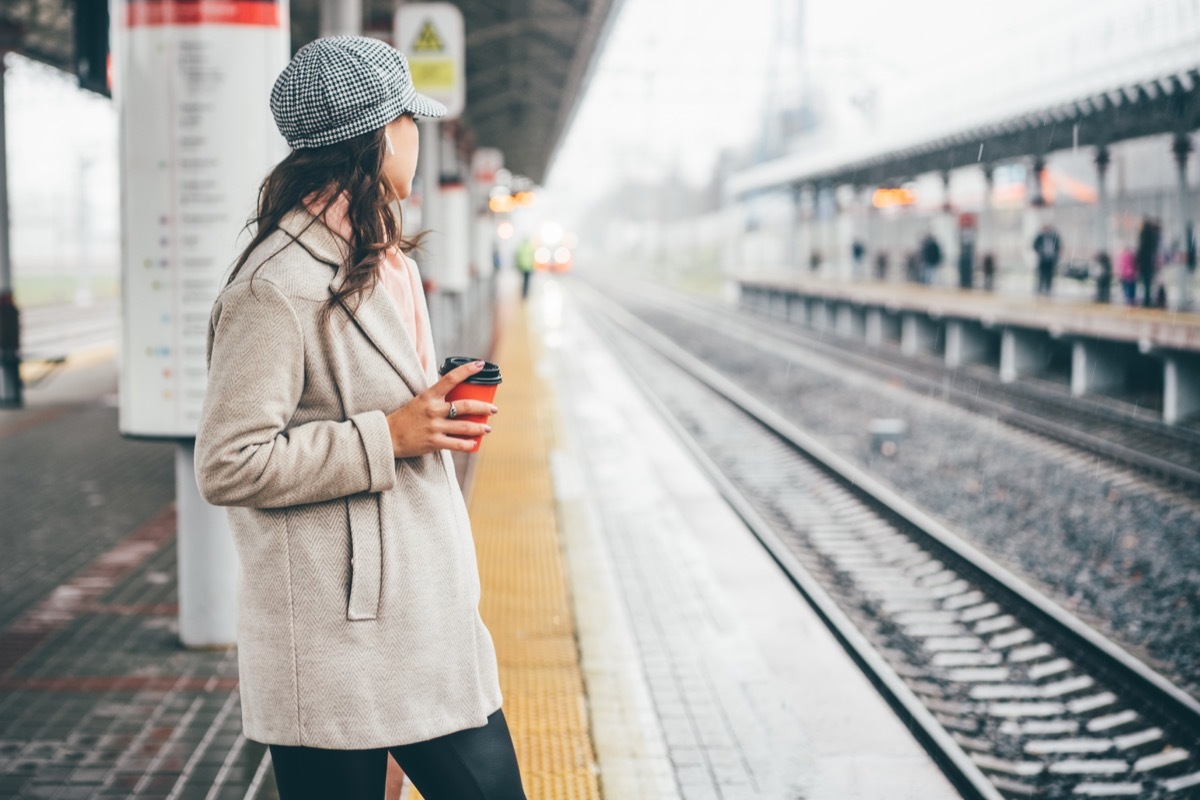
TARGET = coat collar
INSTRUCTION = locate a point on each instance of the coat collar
(376, 315)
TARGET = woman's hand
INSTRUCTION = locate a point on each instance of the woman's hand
(423, 424)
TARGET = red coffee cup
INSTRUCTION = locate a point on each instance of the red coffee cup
(480, 386)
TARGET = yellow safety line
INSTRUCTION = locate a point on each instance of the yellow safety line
(526, 604)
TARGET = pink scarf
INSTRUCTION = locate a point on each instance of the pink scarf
(398, 276)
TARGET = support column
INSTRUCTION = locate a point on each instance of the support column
(1095, 367)
(849, 321)
(207, 561)
(1103, 252)
(797, 309)
(819, 315)
(10, 317)
(793, 257)
(1103, 159)
(1181, 388)
(1037, 198)
(429, 167)
(341, 17)
(1182, 148)
(945, 230)
(874, 327)
(1019, 354)
(987, 230)
(917, 335)
(965, 343)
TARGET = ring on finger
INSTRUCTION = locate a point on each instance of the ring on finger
(453, 412)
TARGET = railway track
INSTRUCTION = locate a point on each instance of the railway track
(1169, 454)
(1013, 696)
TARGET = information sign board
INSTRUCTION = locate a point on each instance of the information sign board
(192, 81)
(431, 36)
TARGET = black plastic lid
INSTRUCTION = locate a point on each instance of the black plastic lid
(488, 376)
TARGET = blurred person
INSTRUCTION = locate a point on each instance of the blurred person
(1104, 278)
(989, 272)
(1047, 247)
(1147, 257)
(931, 258)
(1127, 273)
(326, 431)
(526, 258)
(858, 253)
(881, 266)
(912, 267)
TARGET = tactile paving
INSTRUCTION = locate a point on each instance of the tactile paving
(526, 602)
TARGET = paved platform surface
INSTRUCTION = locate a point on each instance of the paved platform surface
(648, 647)
(1058, 315)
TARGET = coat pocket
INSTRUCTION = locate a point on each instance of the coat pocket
(366, 556)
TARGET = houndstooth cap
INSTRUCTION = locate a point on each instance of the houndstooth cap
(339, 87)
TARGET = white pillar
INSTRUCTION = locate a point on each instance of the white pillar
(918, 335)
(965, 343)
(1019, 354)
(797, 309)
(794, 258)
(177, 243)
(207, 561)
(819, 314)
(873, 332)
(1095, 367)
(1181, 388)
(341, 17)
(987, 231)
(849, 322)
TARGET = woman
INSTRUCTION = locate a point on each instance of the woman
(326, 432)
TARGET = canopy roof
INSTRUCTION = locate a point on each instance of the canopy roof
(528, 61)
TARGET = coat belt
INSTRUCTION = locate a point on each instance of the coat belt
(366, 556)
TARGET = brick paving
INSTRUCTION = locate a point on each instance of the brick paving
(97, 696)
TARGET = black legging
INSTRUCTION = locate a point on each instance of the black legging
(475, 764)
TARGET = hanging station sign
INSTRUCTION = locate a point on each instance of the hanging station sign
(431, 36)
(191, 82)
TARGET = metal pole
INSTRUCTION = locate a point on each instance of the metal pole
(341, 17)
(1183, 149)
(1103, 256)
(10, 317)
(207, 561)
(430, 169)
(1103, 159)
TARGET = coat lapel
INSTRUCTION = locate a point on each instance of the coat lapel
(376, 315)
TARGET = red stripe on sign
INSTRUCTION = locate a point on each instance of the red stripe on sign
(202, 12)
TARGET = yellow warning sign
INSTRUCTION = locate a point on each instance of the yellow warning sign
(427, 40)
(433, 76)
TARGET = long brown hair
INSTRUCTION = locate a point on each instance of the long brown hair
(355, 167)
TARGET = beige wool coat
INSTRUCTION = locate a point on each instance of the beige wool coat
(358, 622)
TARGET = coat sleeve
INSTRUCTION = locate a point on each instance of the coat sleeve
(245, 453)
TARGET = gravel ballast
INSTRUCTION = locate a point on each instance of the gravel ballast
(1119, 552)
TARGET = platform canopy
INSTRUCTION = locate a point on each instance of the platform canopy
(528, 61)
